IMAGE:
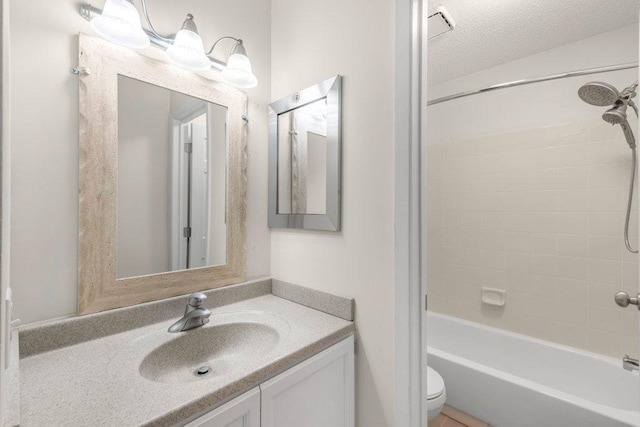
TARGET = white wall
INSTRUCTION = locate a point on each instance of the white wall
(312, 41)
(542, 104)
(45, 139)
(526, 191)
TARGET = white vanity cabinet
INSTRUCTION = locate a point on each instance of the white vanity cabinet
(243, 411)
(318, 392)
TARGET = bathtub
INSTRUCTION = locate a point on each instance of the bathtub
(511, 380)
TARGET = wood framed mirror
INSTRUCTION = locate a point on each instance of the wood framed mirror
(162, 179)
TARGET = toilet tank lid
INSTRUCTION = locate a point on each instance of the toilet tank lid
(435, 384)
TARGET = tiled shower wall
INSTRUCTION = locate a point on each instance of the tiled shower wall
(539, 213)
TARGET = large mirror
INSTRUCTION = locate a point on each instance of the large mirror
(162, 180)
(172, 151)
(304, 158)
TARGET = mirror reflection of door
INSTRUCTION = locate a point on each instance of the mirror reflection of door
(171, 180)
(302, 159)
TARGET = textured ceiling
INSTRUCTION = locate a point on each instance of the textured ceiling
(493, 32)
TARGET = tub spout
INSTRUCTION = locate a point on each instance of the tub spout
(629, 363)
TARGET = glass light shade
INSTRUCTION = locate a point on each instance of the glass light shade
(187, 51)
(238, 72)
(120, 24)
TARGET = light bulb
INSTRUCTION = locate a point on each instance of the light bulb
(187, 50)
(238, 72)
(120, 24)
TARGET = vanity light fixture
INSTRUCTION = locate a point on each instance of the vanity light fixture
(238, 72)
(119, 22)
(187, 50)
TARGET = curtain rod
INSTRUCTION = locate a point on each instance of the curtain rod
(546, 78)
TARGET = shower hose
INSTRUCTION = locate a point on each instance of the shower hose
(629, 201)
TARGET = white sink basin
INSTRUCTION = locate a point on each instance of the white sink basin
(214, 349)
(230, 343)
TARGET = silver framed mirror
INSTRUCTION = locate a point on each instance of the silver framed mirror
(305, 156)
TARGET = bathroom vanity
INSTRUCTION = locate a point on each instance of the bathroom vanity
(317, 391)
(275, 354)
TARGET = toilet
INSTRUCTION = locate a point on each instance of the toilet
(436, 393)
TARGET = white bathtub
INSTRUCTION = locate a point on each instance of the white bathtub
(511, 380)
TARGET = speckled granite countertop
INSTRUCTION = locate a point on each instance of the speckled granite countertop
(99, 382)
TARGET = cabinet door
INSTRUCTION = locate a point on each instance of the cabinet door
(316, 393)
(243, 411)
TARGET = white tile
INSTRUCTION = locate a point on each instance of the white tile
(542, 285)
(531, 180)
(604, 342)
(517, 241)
(604, 319)
(572, 268)
(604, 247)
(605, 223)
(539, 213)
(493, 221)
(517, 222)
(573, 155)
(471, 220)
(605, 271)
(573, 200)
(514, 261)
(472, 148)
(605, 200)
(544, 243)
(630, 274)
(533, 201)
(496, 201)
(452, 166)
(607, 152)
(573, 245)
(543, 222)
(573, 222)
(630, 346)
(601, 295)
(471, 202)
(518, 281)
(572, 290)
(606, 176)
(492, 240)
(573, 178)
(546, 265)
(630, 324)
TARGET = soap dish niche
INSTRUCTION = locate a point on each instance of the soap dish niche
(493, 296)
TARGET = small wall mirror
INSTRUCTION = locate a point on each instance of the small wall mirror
(162, 180)
(305, 158)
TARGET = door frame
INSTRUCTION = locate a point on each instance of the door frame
(178, 158)
(409, 223)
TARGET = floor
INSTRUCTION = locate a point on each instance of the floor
(450, 417)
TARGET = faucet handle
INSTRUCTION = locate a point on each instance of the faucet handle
(195, 299)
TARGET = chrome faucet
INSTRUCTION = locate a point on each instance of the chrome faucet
(194, 315)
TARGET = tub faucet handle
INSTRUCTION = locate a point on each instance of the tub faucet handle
(630, 364)
(623, 300)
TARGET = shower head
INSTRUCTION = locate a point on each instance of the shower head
(617, 114)
(598, 93)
